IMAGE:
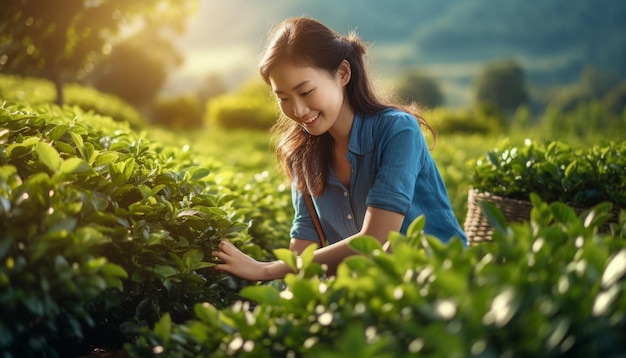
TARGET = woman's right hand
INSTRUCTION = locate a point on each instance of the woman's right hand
(237, 263)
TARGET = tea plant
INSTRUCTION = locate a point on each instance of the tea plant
(37, 91)
(102, 231)
(550, 287)
(579, 177)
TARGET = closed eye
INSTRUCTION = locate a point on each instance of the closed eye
(306, 93)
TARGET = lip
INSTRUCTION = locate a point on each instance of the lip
(311, 121)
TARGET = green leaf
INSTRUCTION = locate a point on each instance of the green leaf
(64, 148)
(387, 264)
(163, 328)
(129, 167)
(206, 312)
(71, 165)
(357, 263)
(307, 256)
(416, 227)
(615, 269)
(562, 212)
(80, 145)
(165, 270)
(288, 257)
(58, 131)
(495, 217)
(365, 244)
(451, 282)
(48, 156)
(263, 294)
(106, 158)
(199, 173)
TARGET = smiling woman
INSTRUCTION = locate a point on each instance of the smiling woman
(364, 163)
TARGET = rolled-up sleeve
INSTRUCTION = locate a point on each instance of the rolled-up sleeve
(302, 226)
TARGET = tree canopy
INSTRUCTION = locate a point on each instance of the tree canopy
(59, 40)
(502, 83)
(418, 87)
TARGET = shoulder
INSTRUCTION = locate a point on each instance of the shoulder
(392, 120)
(384, 125)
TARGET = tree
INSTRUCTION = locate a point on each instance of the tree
(615, 100)
(415, 86)
(503, 84)
(136, 68)
(60, 39)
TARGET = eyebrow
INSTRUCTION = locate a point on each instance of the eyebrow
(295, 87)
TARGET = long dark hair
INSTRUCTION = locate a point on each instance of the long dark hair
(308, 42)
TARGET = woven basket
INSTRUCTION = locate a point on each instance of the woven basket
(477, 227)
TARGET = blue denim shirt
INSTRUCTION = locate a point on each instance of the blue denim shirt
(392, 169)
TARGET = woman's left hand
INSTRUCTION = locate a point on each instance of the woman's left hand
(239, 264)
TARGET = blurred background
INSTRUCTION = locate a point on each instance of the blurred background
(191, 64)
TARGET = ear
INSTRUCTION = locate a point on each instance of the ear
(344, 71)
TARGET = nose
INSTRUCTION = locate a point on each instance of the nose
(300, 109)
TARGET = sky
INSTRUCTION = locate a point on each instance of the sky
(214, 44)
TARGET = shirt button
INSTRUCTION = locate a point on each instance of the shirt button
(349, 216)
(345, 194)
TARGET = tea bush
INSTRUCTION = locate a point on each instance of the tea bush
(250, 107)
(550, 287)
(102, 231)
(468, 121)
(556, 171)
(16, 89)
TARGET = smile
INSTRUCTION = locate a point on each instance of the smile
(310, 121)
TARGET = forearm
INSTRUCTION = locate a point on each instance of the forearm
(274, 270)
(334, 254)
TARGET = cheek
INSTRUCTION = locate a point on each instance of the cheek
(284, 108)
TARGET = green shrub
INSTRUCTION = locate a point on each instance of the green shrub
(548, 288)
(179, 113)
(580, 177)
(478, 120)
(251, 107)
(102, 232)
(587, 120)
(39, 91)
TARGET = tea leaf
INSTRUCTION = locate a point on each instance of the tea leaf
(365, 244)
(288, 257)
(163, 328)
(262, 294)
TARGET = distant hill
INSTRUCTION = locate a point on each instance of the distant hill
(554, 40)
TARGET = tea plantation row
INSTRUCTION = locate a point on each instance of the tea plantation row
(105, 241)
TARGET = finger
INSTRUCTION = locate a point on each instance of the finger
(227, 247)
(221, 255)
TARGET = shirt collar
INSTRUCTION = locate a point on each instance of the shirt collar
(361, 141)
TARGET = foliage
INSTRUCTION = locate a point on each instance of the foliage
(550, 287)
(102, 231)
(58, 40)
(39, 91)
(502, 83)
(417, 87)
(615, 100)
(250, 107)
(580, 177)
(178, 113)
(137, 67)
(246, 166)
(478, 120)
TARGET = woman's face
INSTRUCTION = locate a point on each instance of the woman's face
(312, 97)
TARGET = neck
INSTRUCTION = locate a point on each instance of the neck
(340, 131)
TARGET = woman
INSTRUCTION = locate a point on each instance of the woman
(365, 163)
